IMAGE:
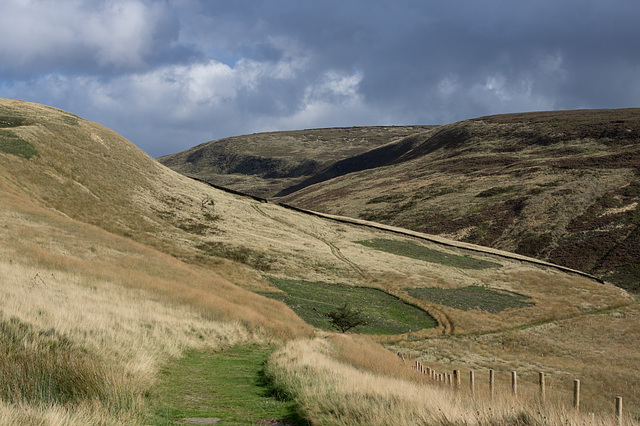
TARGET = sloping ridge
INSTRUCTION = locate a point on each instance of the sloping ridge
(264, 164)
(378, 157)
(409, 233)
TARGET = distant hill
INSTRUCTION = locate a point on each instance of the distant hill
(562, 186)
(264, 164)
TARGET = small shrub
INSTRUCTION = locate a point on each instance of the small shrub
(345, 318)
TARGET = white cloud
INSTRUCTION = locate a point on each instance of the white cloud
(334, 85)
(118, 33)
(170, 73)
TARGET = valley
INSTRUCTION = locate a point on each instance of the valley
(134, 268)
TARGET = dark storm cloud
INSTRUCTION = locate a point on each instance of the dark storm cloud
(171, 74)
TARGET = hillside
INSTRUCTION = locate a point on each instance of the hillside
(559, 186)
(113, 265)
(263, 164)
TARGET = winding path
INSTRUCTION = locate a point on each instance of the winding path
(334, 249)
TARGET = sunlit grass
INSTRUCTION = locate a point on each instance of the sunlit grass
(369, 389)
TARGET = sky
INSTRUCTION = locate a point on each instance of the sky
(171, 74)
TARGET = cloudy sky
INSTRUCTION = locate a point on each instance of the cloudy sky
(170, 74)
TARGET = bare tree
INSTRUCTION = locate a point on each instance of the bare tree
(345, 318)
(208, 202)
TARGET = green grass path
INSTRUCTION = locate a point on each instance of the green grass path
(228, 385)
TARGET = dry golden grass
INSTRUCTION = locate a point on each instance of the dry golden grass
(124, 303)
(336, 387)
(601, 350)
(131, 331)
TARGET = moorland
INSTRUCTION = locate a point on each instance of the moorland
(132, 294)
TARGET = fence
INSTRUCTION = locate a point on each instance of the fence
(453, 380)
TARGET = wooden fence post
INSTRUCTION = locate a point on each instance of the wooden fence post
(576, 394)
(472, 382)
(619, 409)
(456, 379)
(542, 387)
(449, 381)
(514, 383)
(491, 382)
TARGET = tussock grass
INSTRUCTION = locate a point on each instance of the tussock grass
(339, 389)
(89, 318)
(46, 367)
(92, 346)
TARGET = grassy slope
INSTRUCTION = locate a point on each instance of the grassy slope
(109, 250)
(559, 186)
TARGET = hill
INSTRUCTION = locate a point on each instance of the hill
(559, 186)
(113, 264)
(263, 164)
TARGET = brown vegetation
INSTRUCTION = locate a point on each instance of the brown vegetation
(572, 188)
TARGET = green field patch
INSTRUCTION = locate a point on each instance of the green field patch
(385, 314)
(229, 385)
(416, 251)
(12, 121)
(12, 144)
(472, 297)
